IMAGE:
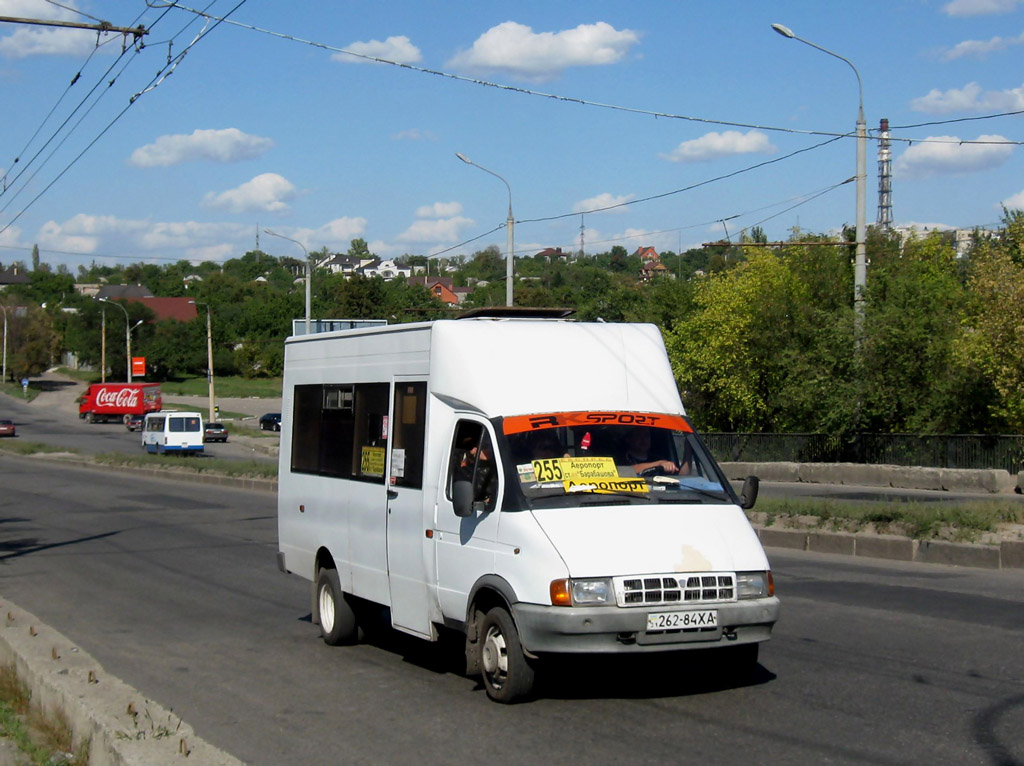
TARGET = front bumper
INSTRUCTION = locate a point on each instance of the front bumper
(612, 629)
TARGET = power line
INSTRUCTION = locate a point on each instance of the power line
(157, 79)
(557, 97)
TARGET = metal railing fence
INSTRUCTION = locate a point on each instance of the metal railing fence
(939, 451)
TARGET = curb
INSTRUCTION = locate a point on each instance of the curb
(123, 728)
(986, 481)
(1006, 555)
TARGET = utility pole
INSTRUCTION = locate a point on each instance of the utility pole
(103, 26)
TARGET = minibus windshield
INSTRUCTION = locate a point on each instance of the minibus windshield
(602, 458)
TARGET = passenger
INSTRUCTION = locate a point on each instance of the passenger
(638, 453)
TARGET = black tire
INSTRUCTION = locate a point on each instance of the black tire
(337, 620)
(507, 674)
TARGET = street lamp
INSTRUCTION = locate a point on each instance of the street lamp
(128, 327)
(209, 354)
(5, 342)
(509, 224)
(860, 269)
(308, 275)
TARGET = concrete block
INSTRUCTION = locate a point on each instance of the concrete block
(831, 542)
(1011, 554)
(1020, 482)
(738, 471)
(885, 547)
(958, 554)
(818, 473)
(967, 480)
(905, 477)
(794, 539)
(864, 475)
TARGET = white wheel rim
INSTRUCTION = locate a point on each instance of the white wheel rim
(494, 655)
(326, 609)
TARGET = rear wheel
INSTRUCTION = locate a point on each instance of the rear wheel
(337, 620)
(507, 673)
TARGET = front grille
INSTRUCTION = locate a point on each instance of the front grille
(686, 589)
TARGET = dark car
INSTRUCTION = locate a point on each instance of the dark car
(270, 422)
(7, 428)
(133, 422)
(215, 432)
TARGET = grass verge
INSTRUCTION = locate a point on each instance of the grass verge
(22, 447)
(44, 737)
(220, 466)
(956, 522)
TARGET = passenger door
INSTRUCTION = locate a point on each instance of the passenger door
(407, 518)
(465, 547)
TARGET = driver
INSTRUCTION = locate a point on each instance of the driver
(638, 453)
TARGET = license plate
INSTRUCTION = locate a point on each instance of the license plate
(707, 618)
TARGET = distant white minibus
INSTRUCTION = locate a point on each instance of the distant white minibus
(531, 482)
(170, 431)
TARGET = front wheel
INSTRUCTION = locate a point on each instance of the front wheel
(337, 620)
(507, 673)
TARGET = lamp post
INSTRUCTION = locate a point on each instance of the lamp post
(509, 225)
(860, 268)
(5, 343)
(308, 274)
(209, 354)
(128, 327)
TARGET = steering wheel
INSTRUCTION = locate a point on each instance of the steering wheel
(654, 470)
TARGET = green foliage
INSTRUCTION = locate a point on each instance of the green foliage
(759, 338)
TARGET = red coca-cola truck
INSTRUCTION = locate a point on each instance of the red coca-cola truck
(115, 401)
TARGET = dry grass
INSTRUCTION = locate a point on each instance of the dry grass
(44, 736)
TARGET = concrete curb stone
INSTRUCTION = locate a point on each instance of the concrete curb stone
(122, 726)
(958, 554)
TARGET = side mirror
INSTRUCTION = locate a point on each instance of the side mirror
(748, 496)
(462, 498)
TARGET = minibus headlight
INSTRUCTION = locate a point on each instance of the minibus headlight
(592, 592)
(754, 585)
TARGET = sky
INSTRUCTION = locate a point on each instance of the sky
(650, 123)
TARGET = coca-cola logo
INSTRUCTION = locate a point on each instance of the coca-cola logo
(117, 397)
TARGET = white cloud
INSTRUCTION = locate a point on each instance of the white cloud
(1016, 202)
(942, 155)
(227, 145)
(439, 210)
(414, 134)
(714, 145)
(340, 231)
(42, 41)
(517, 50)
(398, 49)
(969, 99)
(602, 201)
(268, 192)
(980, 48)
(440, 230)
(979, 7)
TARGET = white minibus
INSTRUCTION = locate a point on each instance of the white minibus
(533, 483)
(171, 431)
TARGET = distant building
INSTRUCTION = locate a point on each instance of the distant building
(386, 270)
(552, 252)
(652, 266)
(443, 289)
(13, 276)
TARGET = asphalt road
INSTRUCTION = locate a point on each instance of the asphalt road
(173, 587)
(52, 419)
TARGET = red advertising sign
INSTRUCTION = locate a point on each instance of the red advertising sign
(138, 365)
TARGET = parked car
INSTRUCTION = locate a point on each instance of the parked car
(7, 428)
(270, 422)
(215, 432)
(133, 422)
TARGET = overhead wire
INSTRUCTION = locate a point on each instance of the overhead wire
(157, 79)
(558, 97)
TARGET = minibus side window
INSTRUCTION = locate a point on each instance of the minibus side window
(409, 433)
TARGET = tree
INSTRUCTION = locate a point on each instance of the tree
(992, 336)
